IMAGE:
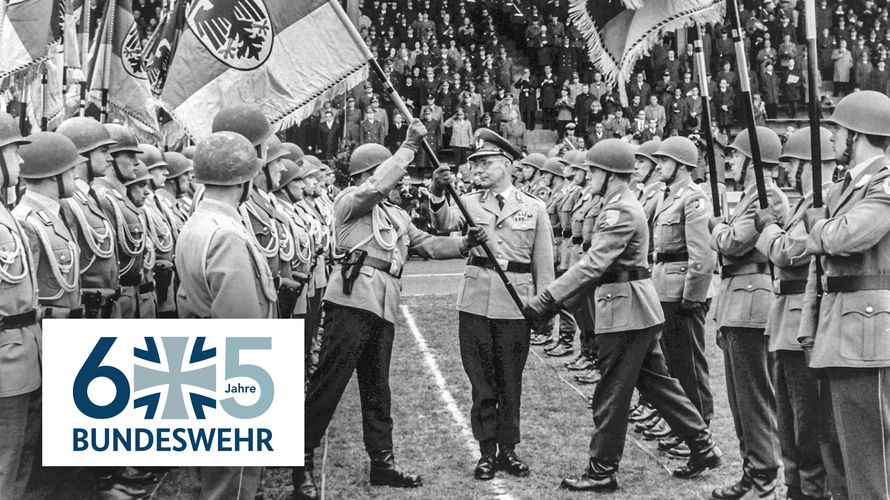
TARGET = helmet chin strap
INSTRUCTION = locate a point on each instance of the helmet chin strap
(844, 159)
(177, 185)
(117, 170)
(605, 185)
(60, 184)
(268, 177)
(645, 179)
(290, 194)
(744, 172)
(798, 181)
(4, 171)
(245, 192)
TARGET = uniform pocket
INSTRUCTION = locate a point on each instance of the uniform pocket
(669, 232)
(749, 303)
(865, 326)
(10, 337)
(471, 274)
(613, 305)
(523, 234)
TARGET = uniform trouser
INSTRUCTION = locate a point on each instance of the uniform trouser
(493, 352)
(752, 401)
(313, 315)
(832, 455)
(860, 398)
(683, 344)
(567, 327)
(129, 302)
(228, 483)
(353, 340)
(588, 343)
(629, 359)
(20, 421)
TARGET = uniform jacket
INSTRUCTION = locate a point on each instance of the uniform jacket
(681, 225)
(222, 273)
(371, 131)
(851, 328)
(359, 212)
(320, 232)
(95, 238)
(520, 232)
(129, 228)
(620, 239)
(258, 216)
(744, 299)
(584, 203)
(514, 132)
(303, 258)
(572, 193)
(19, 347)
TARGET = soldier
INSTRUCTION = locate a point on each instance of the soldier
(138, 194)
(742, 308)
(174, 197)
(222, 271)
(99, 276)
(289, 192)
(807, 435)
(361, 304)
(549, 179)
(313, 210)
(684, 265)
(646, 184)
(845, 335)
(127, 220)
(628, 326)
(529, 168)
(20, 378)
(494, 336)
(162, 229)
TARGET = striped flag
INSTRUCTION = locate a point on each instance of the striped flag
(161, 46)
(30, 31)
(289, 57)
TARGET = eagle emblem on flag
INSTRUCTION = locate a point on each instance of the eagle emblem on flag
(237, 32)
(131, 53)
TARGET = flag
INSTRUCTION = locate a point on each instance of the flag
(619, 34)
(160, 47)
(288, 57)
(48, 101)
(116, 68)
(29, 29)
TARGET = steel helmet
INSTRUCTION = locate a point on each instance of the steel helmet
(295, 153)
(291, 172)
(125, 141)
(319, 168)
(87, 134)
(276, 151)
(866, 112)
(189, 152)
(680, 149)
(48, 154)
(366, 157)
(534, 160)
(225, 159)
(555, 166)
(611, 155)
(9, 131)
(177, 164)
(141, 172)
(575, 158)
(770, 145)
(151, 156)
(249, 121)
(648, 149)
(798, 145)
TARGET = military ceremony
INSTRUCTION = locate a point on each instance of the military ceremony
(626, 249)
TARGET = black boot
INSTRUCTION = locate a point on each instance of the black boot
(385, 472)
(487, 462)
(597, 477)
(703, 455)
(304, 480)
(510, 462)
(764, 484)
(734, 491)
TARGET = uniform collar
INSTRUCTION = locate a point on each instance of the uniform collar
(860, 167)
(218, 208)
(505, 193)
(45, 202)
(82, 185)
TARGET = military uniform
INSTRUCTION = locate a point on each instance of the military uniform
(160, 226)
(296, 256)
(321, 234)
(583, 229)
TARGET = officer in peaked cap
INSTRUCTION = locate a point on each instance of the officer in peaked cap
(519, 230)
(628, 326)
(222, 271)
(361, 305)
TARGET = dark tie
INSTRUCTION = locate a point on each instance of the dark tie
(667, 192)
(500, 199)
(847, 180)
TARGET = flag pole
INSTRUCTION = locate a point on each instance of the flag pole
(86, 19)
(747, 102)
(707, 131)
(400, 104)
(109, 35)
(44, 120)
(815, 112)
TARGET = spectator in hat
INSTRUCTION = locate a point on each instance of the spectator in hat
(879, 78)
(769, 90)
(432, 107)
(655, 111)
(792, 87)
(664, 88)
(370, 129)
(724, 100)
(514, 130)
(843, 65)
(563, 112)
(364, 100)
(502, 109)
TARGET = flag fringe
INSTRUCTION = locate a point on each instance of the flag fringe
(305, 110)
(28, 70)
(604, 61)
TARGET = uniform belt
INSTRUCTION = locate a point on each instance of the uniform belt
(566, 233)
(511, 267)
(835, 284)
(62, 312)
(577, 240)
(18, 320)
(730, 270)
(790, 287)
(131, 280)
(671, 257)
(624, 274)
(99, 296)
(381, 265)
(147, 287)
(557, 232)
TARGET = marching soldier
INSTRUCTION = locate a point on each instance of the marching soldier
(530, 167)
(742, 308)
(20, 377)
(684, 265)
(807, 433)
(494, 336)
(628, 326)
(647, 185)
(99, 276)
(138, 193)
(162, 229)
(550, 177)
(174, 198)
(846, 335)
(128, 221)
(361, 304)
(222, 270)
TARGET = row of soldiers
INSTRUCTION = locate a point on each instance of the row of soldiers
(96, 231)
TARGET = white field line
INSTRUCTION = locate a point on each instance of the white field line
(435, 275)
(497, 485)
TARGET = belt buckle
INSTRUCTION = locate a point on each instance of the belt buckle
(395, 269)
(502, 263)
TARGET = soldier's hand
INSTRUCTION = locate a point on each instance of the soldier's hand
(416, 132)
(713, 221)
(811, 216)
(764, 217)
(476, 236)
(540, 310)
(442, 177)
(688, 306)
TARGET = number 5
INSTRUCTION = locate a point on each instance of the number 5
(263, 380)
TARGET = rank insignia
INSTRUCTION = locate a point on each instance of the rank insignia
(610, 217)
(615, 198)
(44, 218)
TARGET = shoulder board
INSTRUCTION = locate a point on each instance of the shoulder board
(114, 193)
(44, 218)
(477, 192)
(651, 194)
(82, 198)
(679, 192)
(863, 181)
(615, 198)
(586, 196)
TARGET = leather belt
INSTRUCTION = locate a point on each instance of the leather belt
(381, 265)
(790, 287)
(671, 257)
(622, 275)
(577, 240)
(566, 233)
(730, 270)
(835, 284)
(100, 296)
(131, 280)
(147, 287)
(21, 320)
(557, 232)
(62, 312)
(511, 267)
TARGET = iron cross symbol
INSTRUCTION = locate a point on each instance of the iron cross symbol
(175, 378)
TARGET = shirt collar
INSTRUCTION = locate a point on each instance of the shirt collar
(860, 167)
(50, 205)
(505, 193)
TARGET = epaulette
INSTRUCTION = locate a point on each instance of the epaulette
(614, 199)
(44, 218)
(476, 192)
(113, 192)
(651, 194)
(82, 198)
